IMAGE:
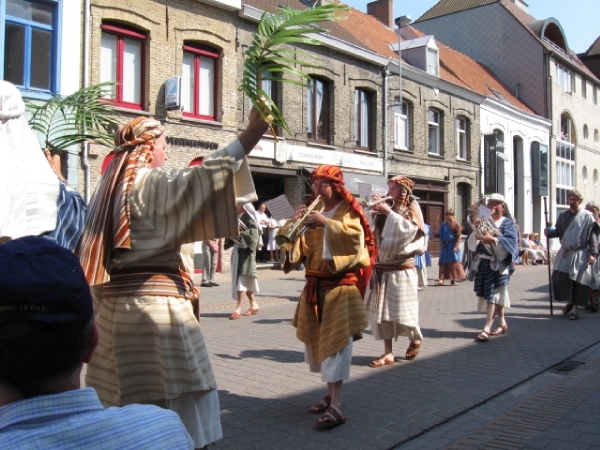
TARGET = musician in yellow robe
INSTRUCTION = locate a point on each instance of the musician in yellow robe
(330, 311)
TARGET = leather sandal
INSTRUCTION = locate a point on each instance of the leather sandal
(332, 418)
(484, 336)
(413, 350)
(321, 406)
(234, 316)
(251, 312)
(502, 329)
(381, 362)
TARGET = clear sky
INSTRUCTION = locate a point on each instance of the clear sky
(579, 19)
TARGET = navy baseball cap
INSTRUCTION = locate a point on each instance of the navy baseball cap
(40, 281)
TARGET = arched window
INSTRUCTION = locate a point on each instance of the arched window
(317, 110)
(362, 119)
(122, 60)
(462, 141)
(401, 126)
(434, 123)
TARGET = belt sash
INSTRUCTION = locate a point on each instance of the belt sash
(138, 281)
(316, 280)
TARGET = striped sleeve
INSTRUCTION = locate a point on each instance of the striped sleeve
(70, 219)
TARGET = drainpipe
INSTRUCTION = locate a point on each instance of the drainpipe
(86, 77)
(385, 122)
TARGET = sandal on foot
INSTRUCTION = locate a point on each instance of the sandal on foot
(251, 312)
(320, 407)
(234, 316)
(484, 336)
(413, 350)
(574, 316)
(382, 362)
(332, 418)
(500, 330)
(438, 283)
(568, 307)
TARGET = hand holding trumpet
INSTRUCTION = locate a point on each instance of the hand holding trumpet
(314, 219)
(380, 205)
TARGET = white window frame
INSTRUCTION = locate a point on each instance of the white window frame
(564, 78)
(433, 128)
(461, 138)
(401, 126)
(433, 61)
(362, 119)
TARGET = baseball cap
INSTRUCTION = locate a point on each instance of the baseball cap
(40, 281)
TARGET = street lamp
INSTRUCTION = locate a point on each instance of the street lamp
(400, 22)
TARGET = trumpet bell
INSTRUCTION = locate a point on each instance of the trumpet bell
(293, 229)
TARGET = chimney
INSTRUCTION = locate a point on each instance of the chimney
(382, 10)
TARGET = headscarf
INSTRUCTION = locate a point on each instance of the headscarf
(29, 187)
(108, 223)
(335, 175)
(409, 201)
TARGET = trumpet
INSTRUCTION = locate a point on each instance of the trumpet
(293, 229)
(379, 200)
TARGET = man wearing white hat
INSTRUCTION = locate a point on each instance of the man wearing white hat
(572, 276)
(494, 250)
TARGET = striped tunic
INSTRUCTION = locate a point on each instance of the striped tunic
(392, 296)
(343, 313)
(151, 347)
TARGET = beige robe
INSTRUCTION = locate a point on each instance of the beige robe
(151, 347)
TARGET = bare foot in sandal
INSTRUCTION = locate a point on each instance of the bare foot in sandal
(321, 406)
(332, 418)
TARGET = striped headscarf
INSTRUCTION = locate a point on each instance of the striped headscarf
(408, 201)
(108, 222)
(335, 175)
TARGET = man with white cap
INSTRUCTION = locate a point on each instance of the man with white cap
(47, 333)
(495, 249)
(572, 276)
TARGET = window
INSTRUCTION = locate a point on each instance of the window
(401, 125)
(565, 161)
(362, 119)
(433, 119)
(595, 95)
(432, 62)
(270, 85)
(584, 175)
(317, 110)
(564, 78)
(586, 132)
(596, 136)
(583, 88)
(461, 138)
(122, 61)
(199, 82)
(30, 44)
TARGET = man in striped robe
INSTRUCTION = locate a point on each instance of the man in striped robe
(493, 265)
(391, 301)
(136, 251)
(330, 311)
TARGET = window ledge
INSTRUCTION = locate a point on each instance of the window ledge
(202, 121)
(435, 155)
(462, 160)
(365, 152)
(316, 144)
(399, 148)
(139, 112)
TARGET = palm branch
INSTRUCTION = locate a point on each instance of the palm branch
(266, 54)
(82, 116)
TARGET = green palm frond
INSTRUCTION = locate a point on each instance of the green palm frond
(85, 115)
(266, 53)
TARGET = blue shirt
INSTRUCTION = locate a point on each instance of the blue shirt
(77, 420)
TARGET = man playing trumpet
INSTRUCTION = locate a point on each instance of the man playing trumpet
(330, 312)
(492, 265)
(391, 301)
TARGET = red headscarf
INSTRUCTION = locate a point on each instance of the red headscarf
(108, 219)
(335, 175)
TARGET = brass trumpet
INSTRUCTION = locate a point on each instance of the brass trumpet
(368, 205)
(293, 229)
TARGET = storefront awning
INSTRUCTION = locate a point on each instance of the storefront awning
(378, 182)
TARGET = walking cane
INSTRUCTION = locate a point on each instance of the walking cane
(549, 264)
